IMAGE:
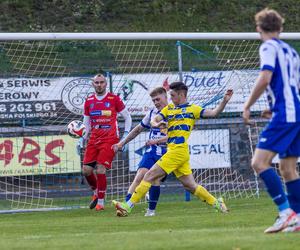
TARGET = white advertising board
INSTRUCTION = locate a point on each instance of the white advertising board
(208, 149)
(25, 98)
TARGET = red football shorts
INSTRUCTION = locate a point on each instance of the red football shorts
(101, 153)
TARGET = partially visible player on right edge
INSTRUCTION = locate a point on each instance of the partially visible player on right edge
(279, 76)
(156, 147)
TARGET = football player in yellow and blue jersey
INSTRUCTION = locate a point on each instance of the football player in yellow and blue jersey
(179, 119)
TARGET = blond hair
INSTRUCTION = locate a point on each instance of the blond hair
(158, 91)
(269, 20)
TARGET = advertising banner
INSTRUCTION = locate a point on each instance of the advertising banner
(48, 98)
(208, 149)
(38, 155)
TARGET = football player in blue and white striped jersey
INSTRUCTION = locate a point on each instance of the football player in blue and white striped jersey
(279, 77)
(156, 147)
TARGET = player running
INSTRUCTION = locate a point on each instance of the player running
(179, 118)
(156, 148)
(279, 76)
(100, 119)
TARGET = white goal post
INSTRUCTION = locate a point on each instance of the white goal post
(143, 36)
(45, 77)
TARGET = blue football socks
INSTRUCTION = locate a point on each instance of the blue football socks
(293, 189)
(154, 193)
(274, 188)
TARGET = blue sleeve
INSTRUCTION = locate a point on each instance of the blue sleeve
(201, 113)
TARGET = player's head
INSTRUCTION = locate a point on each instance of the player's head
(159, 97)
(99, 84)
(178, 92)
(268, 21)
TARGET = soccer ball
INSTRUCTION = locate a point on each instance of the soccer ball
(76, 129)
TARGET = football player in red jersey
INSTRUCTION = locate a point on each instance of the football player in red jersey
(100, 119)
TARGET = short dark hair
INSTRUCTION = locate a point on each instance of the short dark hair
(158, 91)
(269, 20)
(99, 75)
(178, 87)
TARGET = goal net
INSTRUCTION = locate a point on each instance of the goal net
(45, 82)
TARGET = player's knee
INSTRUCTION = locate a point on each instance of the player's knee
(191, 187)
(100, 169)
(259, 166)
(138, 179)
(156, 183)
(86, 170)
(150, 176)
(289, 174)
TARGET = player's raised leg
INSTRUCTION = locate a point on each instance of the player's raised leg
(154, 191)
(199, 191)
(154, 174)
(137, 180)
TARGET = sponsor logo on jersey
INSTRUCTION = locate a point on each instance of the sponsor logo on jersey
(106, 112)
(101, 112)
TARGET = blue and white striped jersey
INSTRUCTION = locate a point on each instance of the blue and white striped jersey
(283, 90)
(154, 133)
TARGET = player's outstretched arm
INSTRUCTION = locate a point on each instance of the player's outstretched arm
(157, 141)
(217, 110)
(133, 133)
(263, 80)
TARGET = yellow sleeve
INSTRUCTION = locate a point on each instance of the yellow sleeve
(198, 111)
(164, 112)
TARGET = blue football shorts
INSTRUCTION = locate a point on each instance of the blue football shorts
(148, 160)
(281, 138)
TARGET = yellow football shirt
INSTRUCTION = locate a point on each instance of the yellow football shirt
(181, 120)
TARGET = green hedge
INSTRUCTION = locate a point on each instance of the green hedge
(137, 15)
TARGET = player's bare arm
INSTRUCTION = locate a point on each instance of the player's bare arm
(216, 111)
(158, 122)
(261, 84)
(157, 141)
(133, 133)
(267, 114)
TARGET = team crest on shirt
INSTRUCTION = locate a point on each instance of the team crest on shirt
(92, 105)
(184, 110)
(107, 104)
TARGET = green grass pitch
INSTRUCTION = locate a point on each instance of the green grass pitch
(178, 225)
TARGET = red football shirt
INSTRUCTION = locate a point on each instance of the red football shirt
(103, 116)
